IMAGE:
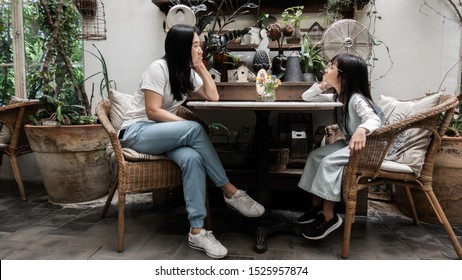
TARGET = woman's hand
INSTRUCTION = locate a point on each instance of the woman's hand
(324, 85)
(208, 91)
(358, 140)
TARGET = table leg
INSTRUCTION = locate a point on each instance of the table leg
(267, 224)
(262, 192)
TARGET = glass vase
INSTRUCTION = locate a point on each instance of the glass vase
(267, 96)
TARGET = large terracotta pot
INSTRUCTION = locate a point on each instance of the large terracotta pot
(71, 160)
(447, 185)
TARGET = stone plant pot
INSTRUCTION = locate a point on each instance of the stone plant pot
(447, 185)
(72, 161)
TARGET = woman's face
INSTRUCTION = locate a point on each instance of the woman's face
(331, 75)
(196, 51)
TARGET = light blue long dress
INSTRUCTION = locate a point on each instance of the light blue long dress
(322, 175)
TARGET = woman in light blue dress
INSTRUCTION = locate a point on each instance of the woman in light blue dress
(347, 74)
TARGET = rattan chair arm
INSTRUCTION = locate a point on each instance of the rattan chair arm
(369, 160)
(103, 111)
(20, 104)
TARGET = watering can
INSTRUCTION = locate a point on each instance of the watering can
(293, 71)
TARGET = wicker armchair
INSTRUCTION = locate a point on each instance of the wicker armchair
(14, 117)
(365, 169)
(157, 172)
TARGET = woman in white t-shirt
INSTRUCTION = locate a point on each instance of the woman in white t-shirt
(152, 126)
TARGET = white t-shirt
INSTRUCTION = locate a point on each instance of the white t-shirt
(156, 79)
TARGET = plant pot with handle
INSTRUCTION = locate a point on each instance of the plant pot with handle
(447, 185)
(72, 161)
(447, 177)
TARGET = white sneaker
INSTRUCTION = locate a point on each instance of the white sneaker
(245, 205)
(205, 241)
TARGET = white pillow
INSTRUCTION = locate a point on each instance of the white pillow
(410, 146)
(132, 155)
(120, 103)
(5, 135)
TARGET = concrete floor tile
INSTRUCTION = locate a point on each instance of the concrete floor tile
(28, 234)
(163, 242)
(71, 228)
(74, 252)
(27, 254)
(38, 229)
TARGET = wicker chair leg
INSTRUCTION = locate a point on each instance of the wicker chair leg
(410, 202)
(350, 209)
(110, 196)
(17, 177)
(443, 219)
(121, 224)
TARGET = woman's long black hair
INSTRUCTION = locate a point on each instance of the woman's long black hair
(178, 45)
(354, 78)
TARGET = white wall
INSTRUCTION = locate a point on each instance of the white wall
(423, 47)
(134, 38)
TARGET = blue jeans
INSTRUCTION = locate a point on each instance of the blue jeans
(188, 145)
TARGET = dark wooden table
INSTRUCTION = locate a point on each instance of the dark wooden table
(268, 224)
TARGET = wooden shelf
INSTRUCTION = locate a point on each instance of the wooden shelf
(234, 91)
(267, 6)
(273, 46)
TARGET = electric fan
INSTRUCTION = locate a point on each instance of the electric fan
(346, 36)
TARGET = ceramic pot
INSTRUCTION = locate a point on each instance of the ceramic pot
(296, 36)
(447, 185)
(72, 161)
(309, 77)
(278, 64)
(222, 62)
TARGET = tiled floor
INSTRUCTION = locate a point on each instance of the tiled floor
(40, 230)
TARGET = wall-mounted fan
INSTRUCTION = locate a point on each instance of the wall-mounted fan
(346, 36)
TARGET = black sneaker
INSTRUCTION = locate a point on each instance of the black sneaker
(320, 228)
(309, 216)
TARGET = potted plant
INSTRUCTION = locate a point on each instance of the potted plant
(334, 8)
(212, 12)
(70, 153)
(293, 16)
(215, 40)
(311, 61)
(233, 153)
(276, 32)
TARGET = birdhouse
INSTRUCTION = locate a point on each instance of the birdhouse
(242, 74)
(216, 75)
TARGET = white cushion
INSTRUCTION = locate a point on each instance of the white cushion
(395, 167)
(5, 136)
(410, 146)
(132, 155)
(120, 103)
